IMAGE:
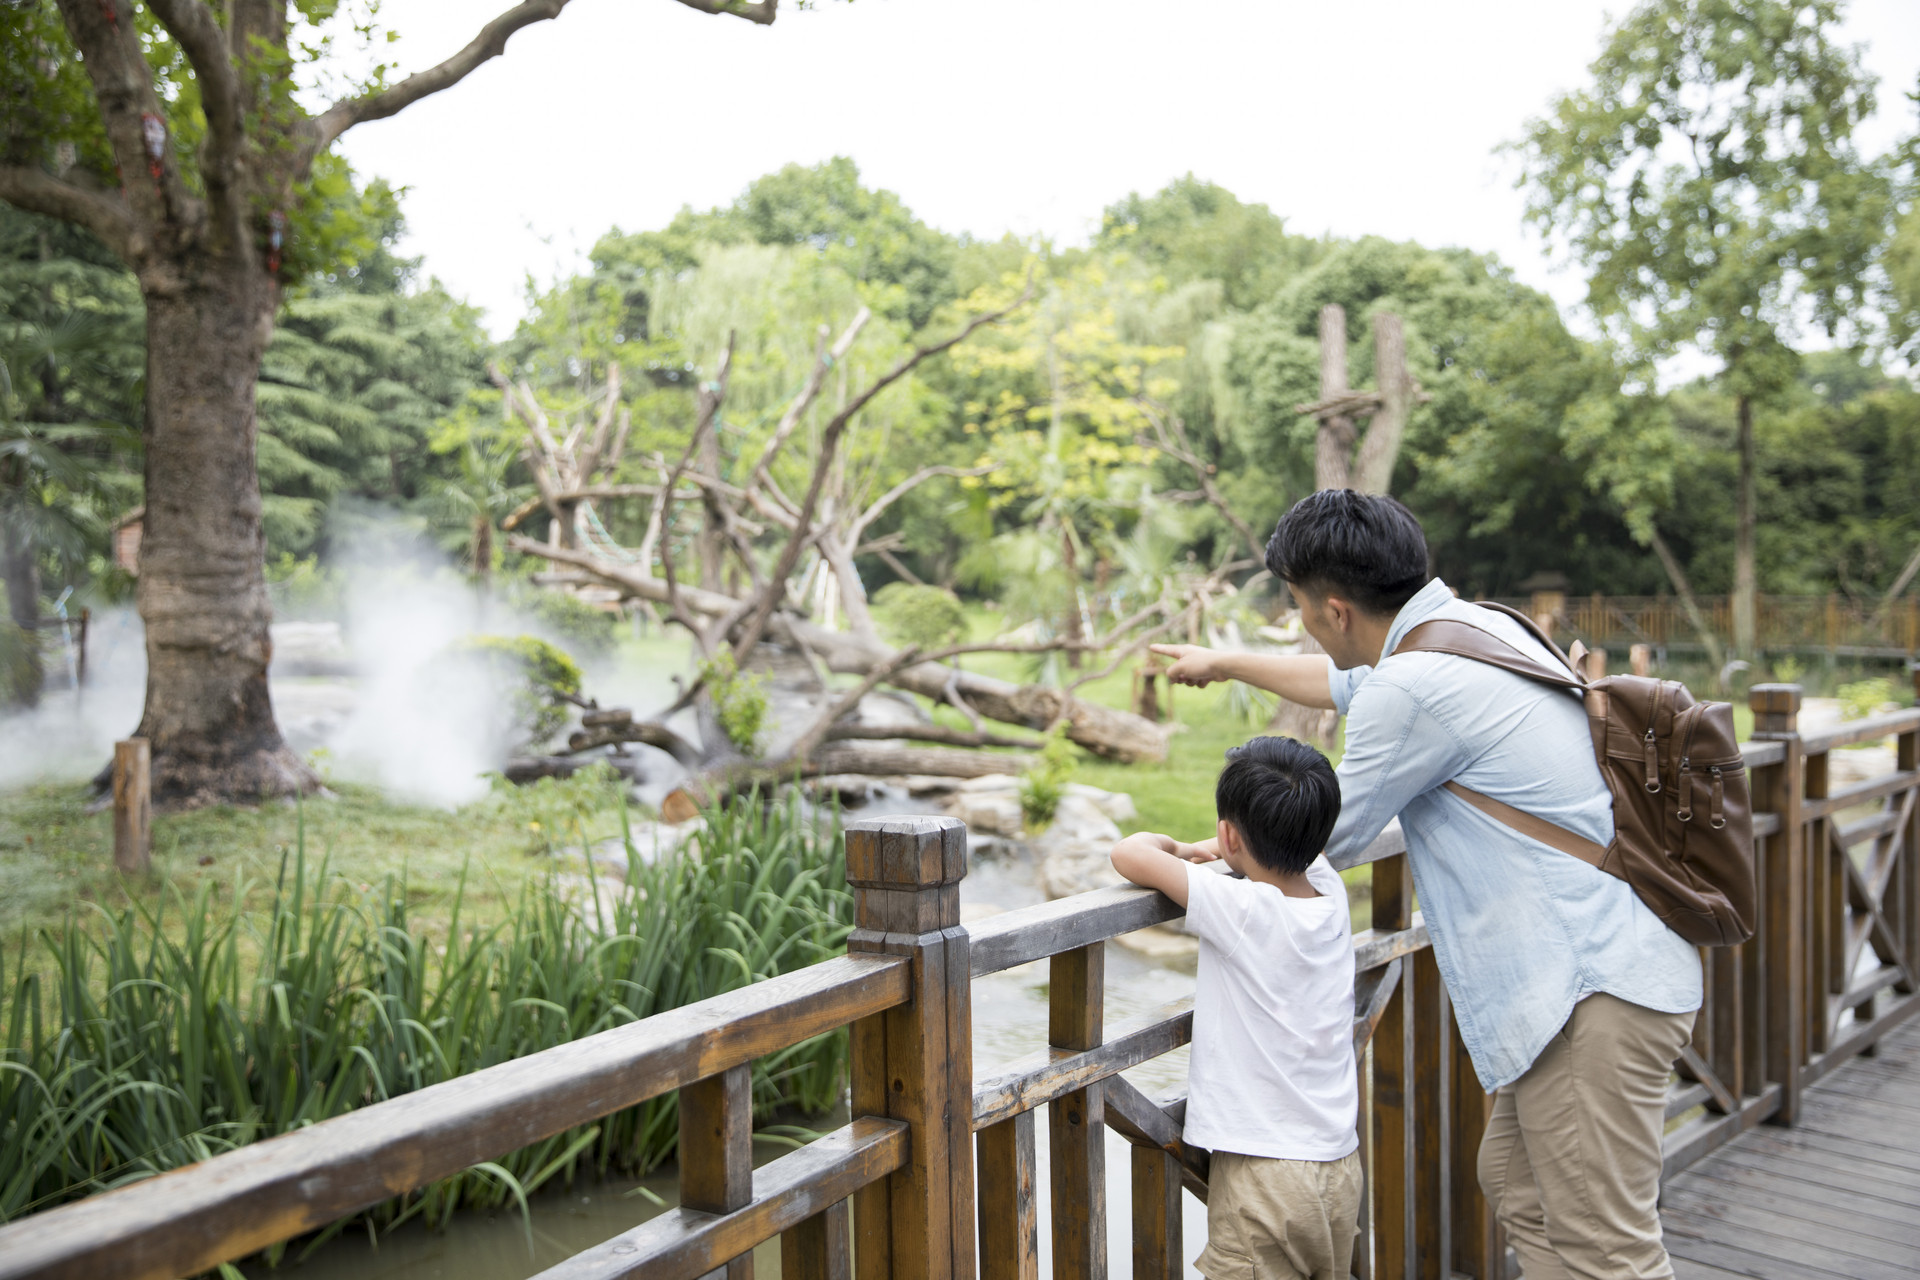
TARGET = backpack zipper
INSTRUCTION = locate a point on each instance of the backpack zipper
(1652, 752)
(1716, 818)
(1683, 779)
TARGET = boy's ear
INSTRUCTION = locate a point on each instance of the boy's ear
(1229, 836)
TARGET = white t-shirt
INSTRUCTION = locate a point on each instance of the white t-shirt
(1272, 1069)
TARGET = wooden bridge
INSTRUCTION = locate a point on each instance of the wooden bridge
(934, 1178)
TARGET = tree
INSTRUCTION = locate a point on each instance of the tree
(1708, 181)
(173, 133)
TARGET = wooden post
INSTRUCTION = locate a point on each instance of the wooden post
(1479, 1245)
(1907, 874)
(915, 1063)
(819, 1248)
(716, 1151)
(1156, 1216)
(1076, 1123)
(1427, 1103)
(132, 806)
(1783, 933)
(1392, 1218)
(1007, 1167)
(1640, 658)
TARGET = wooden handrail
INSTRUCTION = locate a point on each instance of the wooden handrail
(1832, 967)
(190, 1220)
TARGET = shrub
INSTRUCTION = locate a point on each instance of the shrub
(1042, 785)
(929, 617)
(739, 701)
(540, 675)
(585, 630)
(151, 1042)
(1864, 697)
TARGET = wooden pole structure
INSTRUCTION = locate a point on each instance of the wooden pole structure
(132, 806)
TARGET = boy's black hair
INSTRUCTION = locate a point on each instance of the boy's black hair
(1367, 549)
(1283, 798)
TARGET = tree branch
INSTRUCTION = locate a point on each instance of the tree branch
(762, 13)
(106, 216)
(929, 733)
(901, 490)
(488, 45)
(198, 32)
(824, 358)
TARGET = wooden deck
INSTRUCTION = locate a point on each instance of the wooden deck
(1837, 1196)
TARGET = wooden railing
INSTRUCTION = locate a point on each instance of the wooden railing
(893, 1193)
(1802, 623)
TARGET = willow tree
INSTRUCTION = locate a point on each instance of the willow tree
(1709, 181)
(171, 130)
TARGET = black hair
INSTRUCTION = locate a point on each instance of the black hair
(1366, 548)
(1282, 797)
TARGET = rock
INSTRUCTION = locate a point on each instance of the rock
(1077, 820)
(1117, 805)
(992, 812)
(1077, 866)
(678, 807)
(991, 782)
(1857, 764)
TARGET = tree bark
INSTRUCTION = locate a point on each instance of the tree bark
(1744, 578)
(202, 591)
(1381, 448)
(1333, 447)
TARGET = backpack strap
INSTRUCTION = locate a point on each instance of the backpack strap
(1464, 640)
(1551, 834)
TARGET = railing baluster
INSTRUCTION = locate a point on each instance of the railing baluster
(1076, 1125)
(1007, 1169)
(716, 1151)
(1779, 789)
(1723, 1012)
(820, 1248)
(1156, 1216)
(1392, 1170)
(1432, 1164)
(1905, 883)
(1479, 1247)
(915, 1063)
(1820, 909)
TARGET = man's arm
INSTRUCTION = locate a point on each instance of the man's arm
(1301, 678)
(1159, 862)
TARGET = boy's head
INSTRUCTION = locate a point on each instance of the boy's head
(1345, 553)
(1282, 798)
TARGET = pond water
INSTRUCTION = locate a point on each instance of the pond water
(1009, 1021)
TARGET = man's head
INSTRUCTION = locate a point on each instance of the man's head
(1352, 560)
(1279, 798)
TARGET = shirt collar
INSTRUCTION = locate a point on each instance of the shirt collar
(1426, 602)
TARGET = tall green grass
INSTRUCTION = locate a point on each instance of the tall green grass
(140, 1043)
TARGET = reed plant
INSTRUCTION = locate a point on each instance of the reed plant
(139, 1044)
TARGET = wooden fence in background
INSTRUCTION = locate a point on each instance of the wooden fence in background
(935, 1176)
(1831, 623)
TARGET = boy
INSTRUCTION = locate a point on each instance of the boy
(1272, 1086)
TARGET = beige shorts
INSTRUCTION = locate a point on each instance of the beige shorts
(1278, 1219)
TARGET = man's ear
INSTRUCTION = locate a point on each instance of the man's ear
(1339, 612)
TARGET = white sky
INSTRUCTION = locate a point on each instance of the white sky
(987, 116)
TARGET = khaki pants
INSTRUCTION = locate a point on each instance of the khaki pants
(1571, 1157)
(1280, 1219)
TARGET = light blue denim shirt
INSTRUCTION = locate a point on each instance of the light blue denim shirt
(1522, 932)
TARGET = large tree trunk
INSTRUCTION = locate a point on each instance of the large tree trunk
(202, 592)
(1744, 583)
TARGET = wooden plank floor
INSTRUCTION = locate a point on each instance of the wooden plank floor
(1837, 1197)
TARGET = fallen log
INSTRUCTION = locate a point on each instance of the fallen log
(1116, 735)
(929, 733)
(616, 733)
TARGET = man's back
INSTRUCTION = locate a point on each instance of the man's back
(1521, 931)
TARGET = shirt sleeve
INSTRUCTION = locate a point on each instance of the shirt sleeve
(1216, 907)
(1395, 751)
(1341, 684)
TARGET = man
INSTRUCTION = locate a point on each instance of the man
(1572, 997)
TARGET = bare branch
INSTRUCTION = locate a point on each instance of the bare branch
(198, 32)
(106, 215)
(762, 13)
(930, 733)
(824, 358)
(1172, 440)
(902, 489)
(808, 742)
(488, 45)
(829, 444)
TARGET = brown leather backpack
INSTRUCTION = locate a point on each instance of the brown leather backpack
(1682, 818)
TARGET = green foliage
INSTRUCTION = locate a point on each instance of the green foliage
(540, 675)
(141, 1041)
(555, 812)
(914, 614)
(301, 587)
(739, 701)
(586, 631)
(1862, 698)
(1709, 179)
(1042, 785)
